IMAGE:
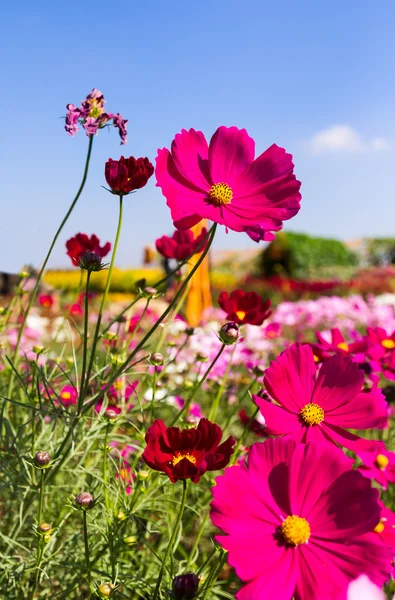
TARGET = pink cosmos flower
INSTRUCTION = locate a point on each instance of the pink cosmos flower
(338, 345)
(222, 182)
(68, 395)
(381, 351)
(320, 404)
(298, 521)
(378, 464)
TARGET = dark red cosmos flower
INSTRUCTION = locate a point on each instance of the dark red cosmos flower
(187, 453)
(245, 307)
(182, 244)
(127, 174)
(81, 243)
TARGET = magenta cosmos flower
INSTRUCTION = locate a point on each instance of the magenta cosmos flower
(320, 404)
(298, 521)
(222, 182)
(378, 464)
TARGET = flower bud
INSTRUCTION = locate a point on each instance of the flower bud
(105, 590)
(130, 540)
(44, 528)
(229, 333)
(84, 500)
(42, 459)
(150, 292)
(110, 335)
(120, 515)
(90, 261)
(201, 357)
(185, 587)
(157, 359)
(38, 349)
(24, 274)
(189, 331)
(142, 474)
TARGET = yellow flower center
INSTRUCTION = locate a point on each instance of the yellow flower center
(118, 385)
(220, 193)
(381, 461)
(343, 346)
(180, 456)
(240, 314)
(312, 414)
(65, 395)
(379, 527)
(316, 359)
(388, 344)
(295, 530)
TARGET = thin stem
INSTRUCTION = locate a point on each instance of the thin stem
(197, 387)
(196, 542)
(85, 343)
(104, 297)
(41, 498)
(105, 466)
(87, 556)
(172, 538)
(64, 221)
(142, 342)
(153, 395)
(242, 437)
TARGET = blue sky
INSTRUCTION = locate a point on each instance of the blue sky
(314, 77)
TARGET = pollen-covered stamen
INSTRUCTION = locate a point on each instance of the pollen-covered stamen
(220, 194)
(388, 344)
(241, 314)
(312, 414)
(295, 530)
(381, 461)
(180, 456)
(65, 395)
(380, 526)
(343, 346)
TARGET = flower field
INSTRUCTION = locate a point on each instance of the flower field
(152, 449)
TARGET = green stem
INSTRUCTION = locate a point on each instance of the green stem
(104, 297)
(213, 576)
(87, 556)
(40, 503)
(105, 466)
(197, 387)
(153, 395)
(172, 538)
(39, 276)
(180, 292)
(242, 437)
(85, 346)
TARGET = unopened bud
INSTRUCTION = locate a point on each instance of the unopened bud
(185, 587)
(150, 292)
(229, 333)
(157, 359)
(24, 274)
(258, 370)
(105, 590)
(84, 500)
(110, 335)
(44, 527)
(130, 540)
(42, 459)
(142, 475)
(201, 357)
(189, 331)
(121, 515)
(90, 261)
(38, 349)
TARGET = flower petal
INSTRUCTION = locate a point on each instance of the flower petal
(231, 150)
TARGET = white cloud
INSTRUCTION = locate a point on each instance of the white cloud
(343, 138)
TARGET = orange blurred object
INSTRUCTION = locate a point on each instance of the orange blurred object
(199, 295)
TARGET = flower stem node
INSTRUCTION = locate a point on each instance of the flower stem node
(42, 460)
(85, 501)
(229, 333)
(185, 587)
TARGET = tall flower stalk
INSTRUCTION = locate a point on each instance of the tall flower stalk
(43, 267)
